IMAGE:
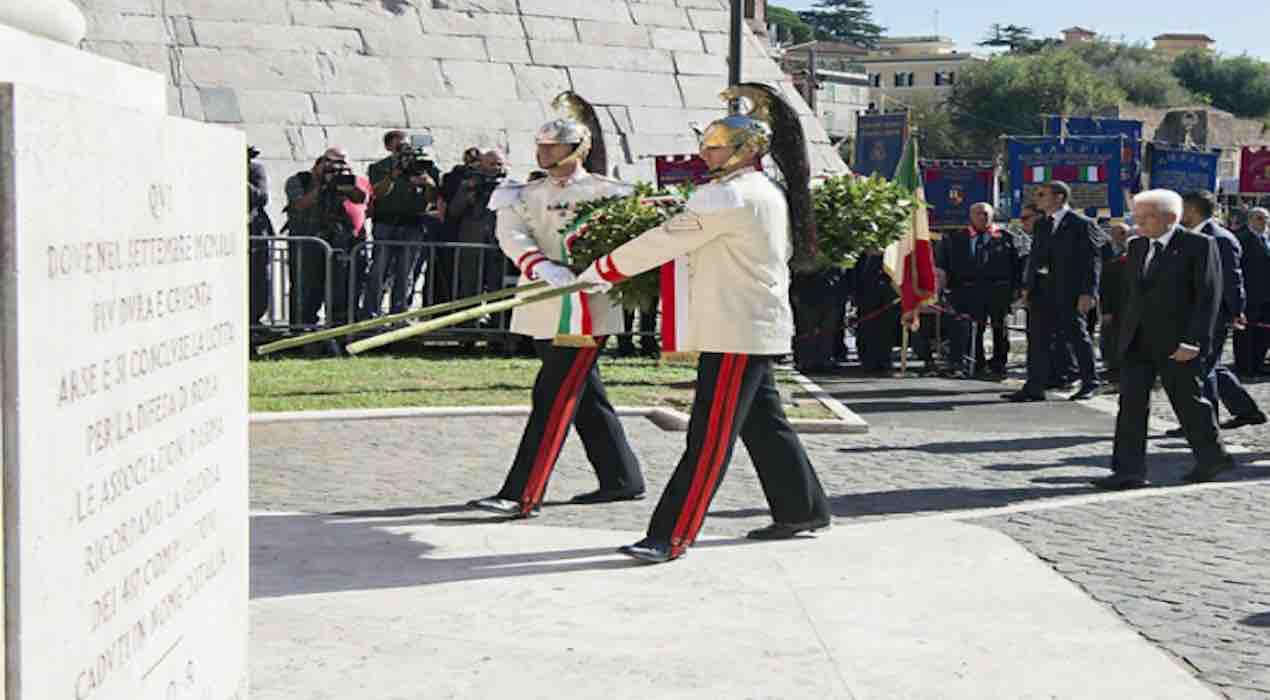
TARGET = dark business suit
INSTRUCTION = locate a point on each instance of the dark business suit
(1251, 345)
(874, 297)
(1177, 303)
(1064, 264)
(1220, 382)
(1112, 300)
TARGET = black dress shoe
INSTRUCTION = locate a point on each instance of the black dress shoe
(1087, 391)
(607, 496)
(785, 531)
(502, 506)
(649, 550)
(1241, 421)
(1175, 433)
(1021, 396)
(1119, 483)
(1207, 472)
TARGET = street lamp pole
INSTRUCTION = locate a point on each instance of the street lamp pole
(734, 43)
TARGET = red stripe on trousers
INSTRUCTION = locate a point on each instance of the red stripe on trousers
(669, 341)
(725, 434)
(586, 315)
(707, 449)
(556, 428)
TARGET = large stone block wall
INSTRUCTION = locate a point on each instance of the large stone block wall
(298, 75)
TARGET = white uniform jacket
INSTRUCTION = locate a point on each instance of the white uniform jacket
(530, 219)
(736, 235)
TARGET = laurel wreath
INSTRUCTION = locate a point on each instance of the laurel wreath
(600, 226)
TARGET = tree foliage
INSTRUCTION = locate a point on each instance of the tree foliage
(1007, 94)
(1240, 84)
(856, 214)
(844, 20)
(941, 136)
(799, 31)
(1145, 76)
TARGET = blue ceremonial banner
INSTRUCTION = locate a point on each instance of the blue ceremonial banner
(1088, 164)
(951, 189)
(1131, 153)
(879, 143)
(1175, 168)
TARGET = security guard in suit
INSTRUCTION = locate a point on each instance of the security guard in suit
(568, 390)
(736, 233)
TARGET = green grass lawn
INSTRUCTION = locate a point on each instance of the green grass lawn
(385, 381)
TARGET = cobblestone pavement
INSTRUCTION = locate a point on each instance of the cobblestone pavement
(1168, 561)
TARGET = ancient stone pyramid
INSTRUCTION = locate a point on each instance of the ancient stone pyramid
(298, 75)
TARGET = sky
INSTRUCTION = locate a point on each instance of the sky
(1240, 26)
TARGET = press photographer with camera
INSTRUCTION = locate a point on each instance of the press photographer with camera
(405, 186)
(258, 224)
(479, 270)
(328, 202)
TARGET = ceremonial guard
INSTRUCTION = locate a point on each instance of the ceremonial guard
(567, 390)
(736, 235)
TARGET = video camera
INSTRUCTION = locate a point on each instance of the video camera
(337, 175)
(415, 159)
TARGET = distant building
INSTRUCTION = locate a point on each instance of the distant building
(1174, 44)
(1075, 36)
(906, 67)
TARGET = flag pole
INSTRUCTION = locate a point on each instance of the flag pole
(904, 349)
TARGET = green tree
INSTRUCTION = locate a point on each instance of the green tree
(1144, 75)
(799, 31)
(941, 137)
(1240, 84)
(855, 214)
(1007, 94)
(844, 20)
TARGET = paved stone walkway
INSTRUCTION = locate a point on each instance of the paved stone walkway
(1168, 560)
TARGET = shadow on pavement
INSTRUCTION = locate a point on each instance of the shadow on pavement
(1258, 620)
(921, 500)
(310, 554)
(1042, 443)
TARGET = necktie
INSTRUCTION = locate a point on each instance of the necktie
(1157, 249)
(1265, 241)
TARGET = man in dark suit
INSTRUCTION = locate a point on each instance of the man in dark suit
(1220, 383)
(878, 314)
(1252, 343)
(1111, 297)
(984, 271)
(1061, 288)
(1166, 330)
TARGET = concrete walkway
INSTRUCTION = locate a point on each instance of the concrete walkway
(410, 607)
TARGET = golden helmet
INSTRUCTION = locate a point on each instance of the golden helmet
(565, 131)
(750, 137)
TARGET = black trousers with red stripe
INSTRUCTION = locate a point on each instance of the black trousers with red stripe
(568, 391)
(737, 395)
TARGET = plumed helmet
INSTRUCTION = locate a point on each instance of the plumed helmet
(750, 137)
(565, 131)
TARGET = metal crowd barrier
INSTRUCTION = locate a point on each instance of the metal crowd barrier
(438, 272)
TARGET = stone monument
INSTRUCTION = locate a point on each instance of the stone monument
(122, 242)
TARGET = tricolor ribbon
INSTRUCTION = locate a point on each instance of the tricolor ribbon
(575, 312)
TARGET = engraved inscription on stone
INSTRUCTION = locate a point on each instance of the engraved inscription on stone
(130, 403)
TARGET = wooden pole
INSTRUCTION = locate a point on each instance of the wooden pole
(454, 319)
(433, 310)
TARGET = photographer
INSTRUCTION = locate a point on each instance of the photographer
(328, 202)
(258, 224)
(405, 185)
(479, 270)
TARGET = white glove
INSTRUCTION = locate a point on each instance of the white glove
(555, 274)
(598, 284)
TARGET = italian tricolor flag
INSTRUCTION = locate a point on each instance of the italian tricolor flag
(575, 313)
(910, 261)
(1037, 174)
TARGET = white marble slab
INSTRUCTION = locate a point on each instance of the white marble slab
(122, 238)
